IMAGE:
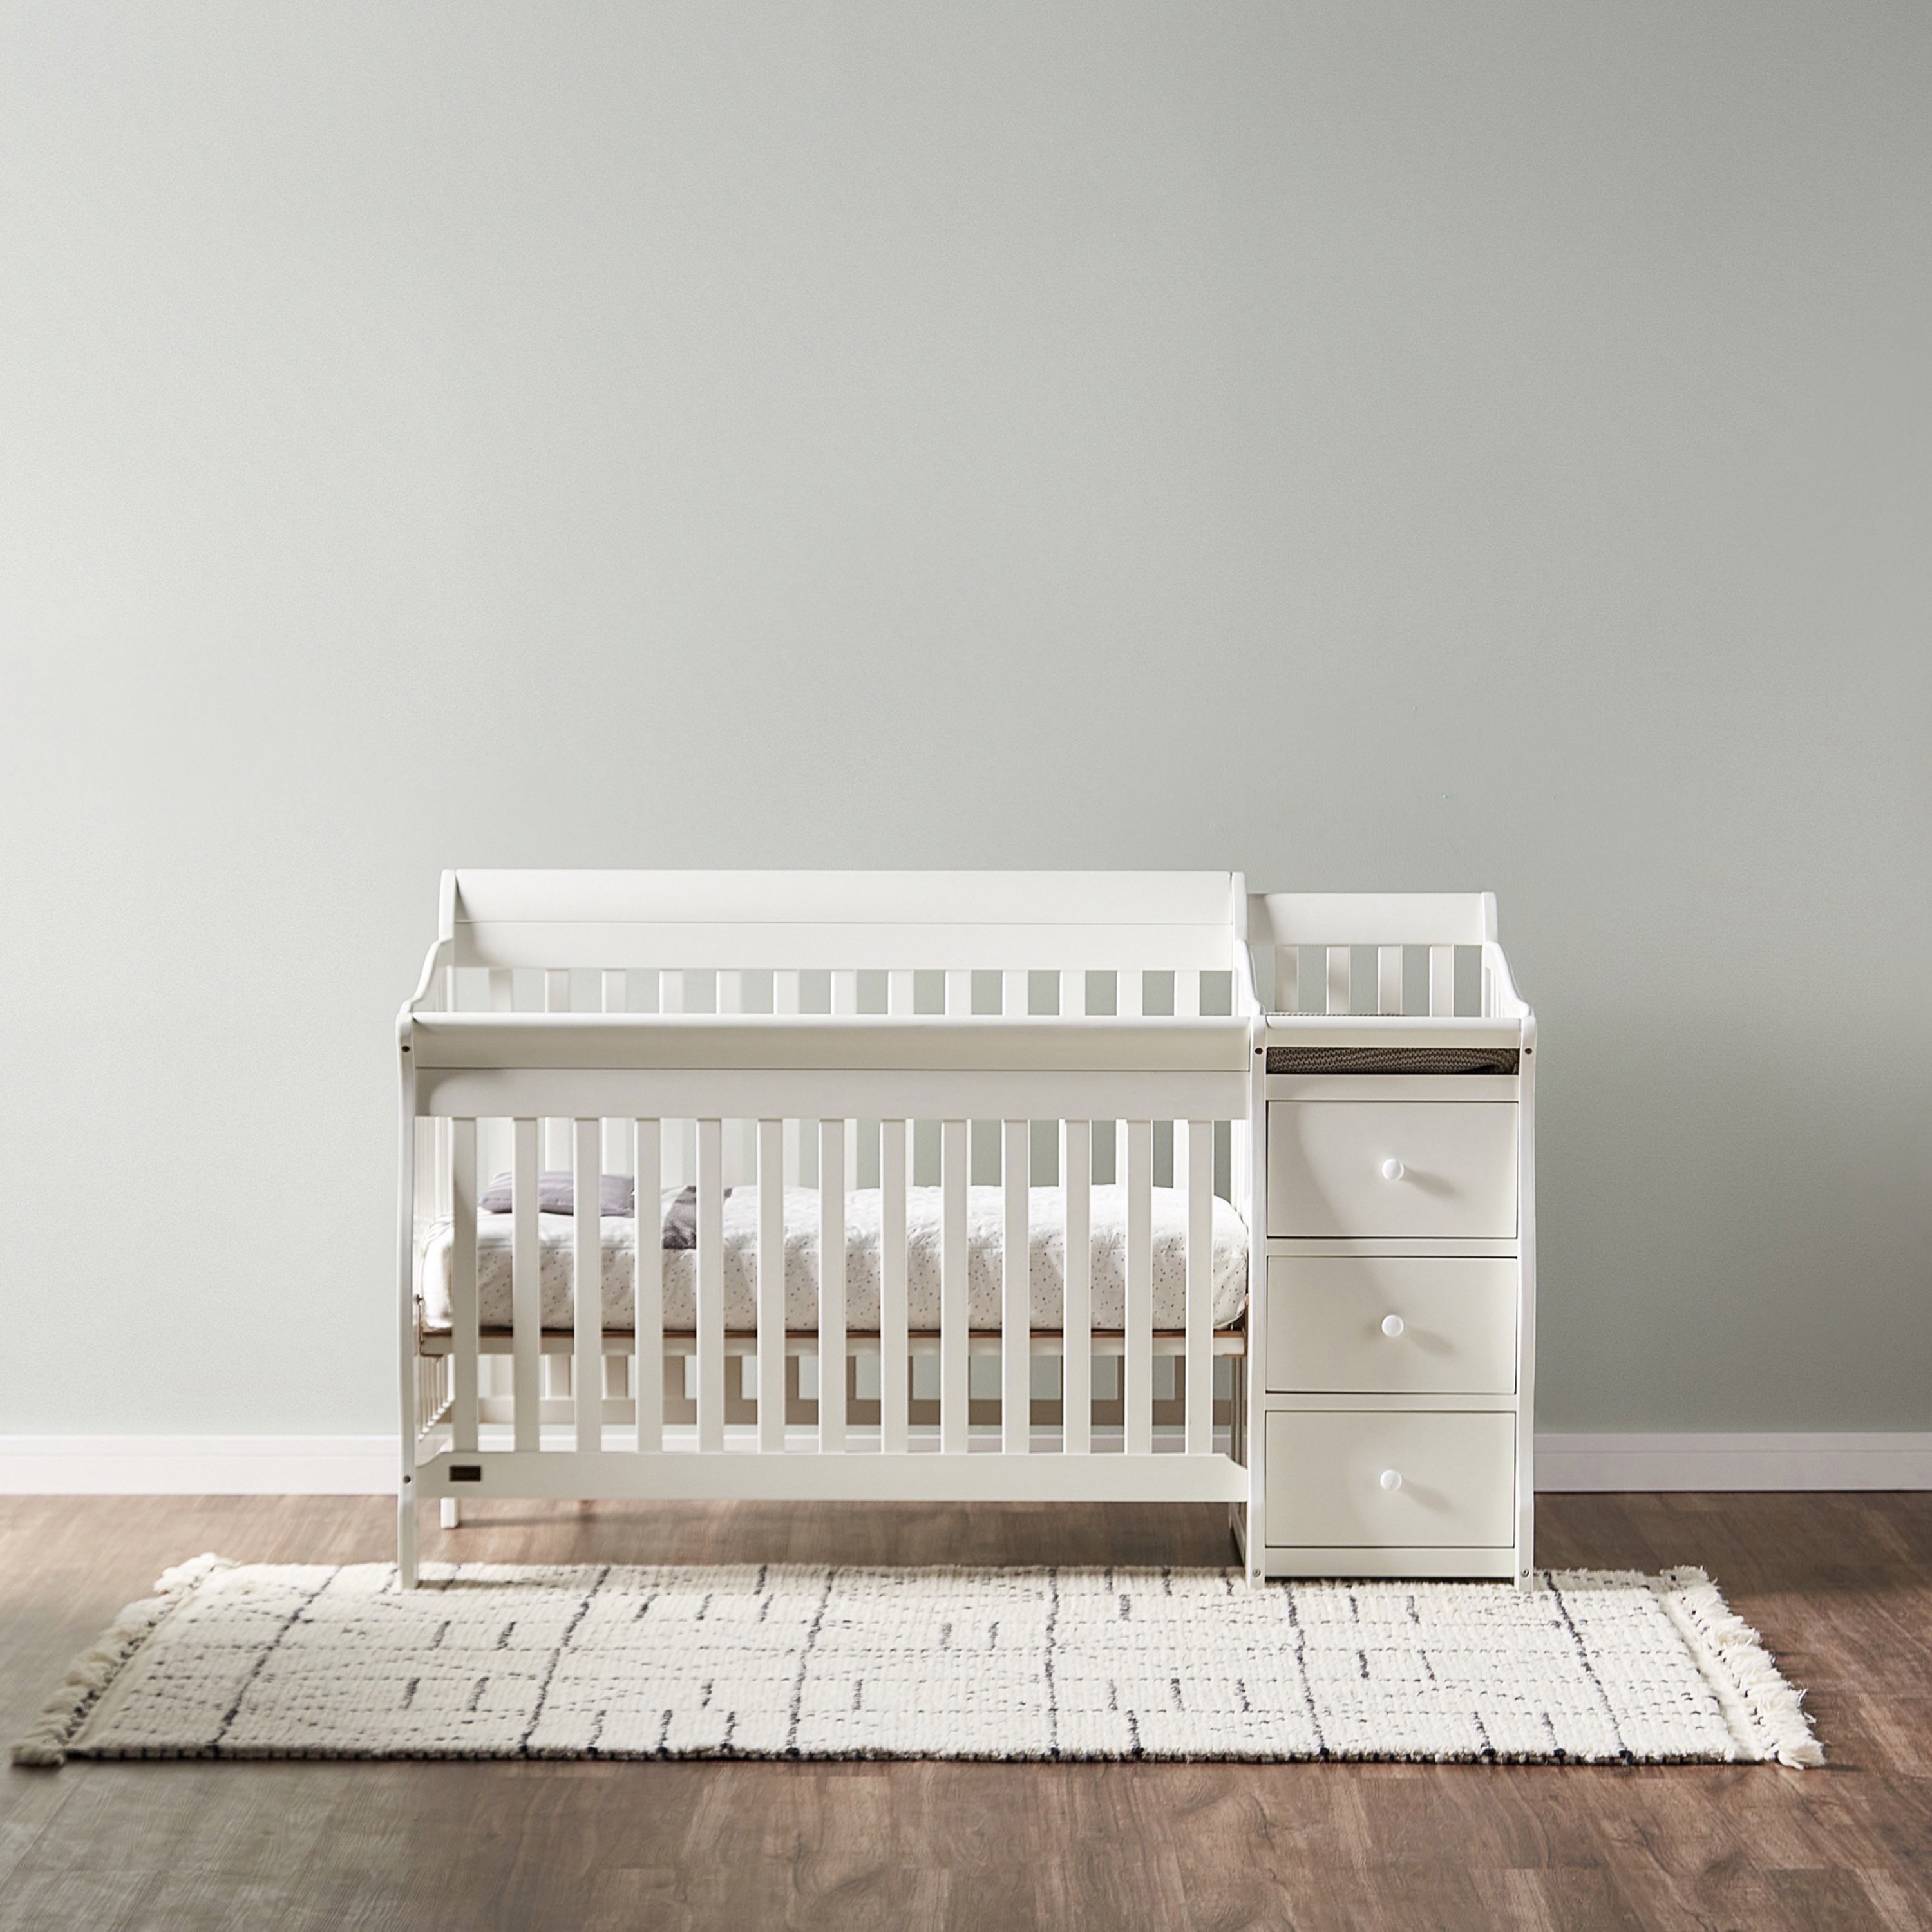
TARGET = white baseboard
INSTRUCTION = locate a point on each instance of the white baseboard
(352, 1466)
(1796, 1461)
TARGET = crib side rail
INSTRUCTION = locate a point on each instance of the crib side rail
(1127, 1108)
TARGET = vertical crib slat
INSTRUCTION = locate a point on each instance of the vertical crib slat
(587, 1283)
(1130, 1000)
(647, 1316)
(831, 1286)
(786, 999)
(1200, 1384)
(1139, 1392)
(1441, 981)
(771, 1286)
(1076, 1372)
(959, 990)
(844, 1003)
(899, 990)
(1388, 978)
(614, 995)
(1016, 1291)
(894, 1138)
(1341, 976)
(710, 1285)
(1287, 979)
(1187, 993)
(1013, 993)
(526, 1287)
(741, 1151)
(555, 1146)
(462, 1285)
(952, 1283)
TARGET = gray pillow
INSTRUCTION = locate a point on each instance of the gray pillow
(557, 1194)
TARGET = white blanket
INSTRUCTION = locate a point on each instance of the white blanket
(985, 1213)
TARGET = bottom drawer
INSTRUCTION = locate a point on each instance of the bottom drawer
(1454, 1478)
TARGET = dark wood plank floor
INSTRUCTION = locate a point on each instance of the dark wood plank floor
(1841, 1586)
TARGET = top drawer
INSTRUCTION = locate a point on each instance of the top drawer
(1392, 1169)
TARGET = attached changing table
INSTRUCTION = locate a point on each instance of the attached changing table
(1392, 1334)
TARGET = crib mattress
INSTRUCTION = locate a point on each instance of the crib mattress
(985, 1213)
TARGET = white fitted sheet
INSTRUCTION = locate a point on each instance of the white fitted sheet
(985, 1213)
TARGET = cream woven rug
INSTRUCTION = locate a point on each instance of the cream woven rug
(261, 1660)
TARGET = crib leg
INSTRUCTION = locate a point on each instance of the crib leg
(452, 1512)
(406, 1539)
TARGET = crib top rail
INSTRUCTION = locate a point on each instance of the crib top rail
(924, 1042)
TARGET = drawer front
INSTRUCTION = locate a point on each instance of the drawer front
(1392, 1169)
(1456, 1472)
(1454, 1318)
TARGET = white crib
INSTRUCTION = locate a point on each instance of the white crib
(1092, 1033)
(1274, 1250)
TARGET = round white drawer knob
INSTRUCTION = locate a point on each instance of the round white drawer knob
(1391, 1479)
(1392, 1169)
(1392, 1326)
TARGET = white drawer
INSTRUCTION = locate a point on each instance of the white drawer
(1392, 1169)
(1456, 1477)
(1454, 1318)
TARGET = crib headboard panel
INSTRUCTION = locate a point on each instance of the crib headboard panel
(843, 921)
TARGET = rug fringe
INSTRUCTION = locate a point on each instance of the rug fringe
(45, 1745)
(1760, 1702)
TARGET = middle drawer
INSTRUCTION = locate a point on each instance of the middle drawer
(1386, 1324)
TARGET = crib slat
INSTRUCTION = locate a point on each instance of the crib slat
(1129, 993)
(614, 994)
(831, 1286)
(785, 1000)
(525, 1286)
(741, 1150)
(1200, 1358)
(710, 1285)
(463, 1414)
(1138, 1391)
(1013, 993)
(894, 1138)
(1441, 981)
(771, 1286)
(556, 1133)
(899, 990)
(959, 990)
(1287, 979)
(1388, 978)
(952, 1283)
(1016, 1292)
(1341, 975)
(647, 1364)
(587, 1280)
(844, 1003)
(1076, 1385)
(1187, 993)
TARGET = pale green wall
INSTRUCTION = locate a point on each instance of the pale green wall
(1430, 446)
